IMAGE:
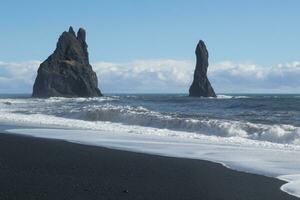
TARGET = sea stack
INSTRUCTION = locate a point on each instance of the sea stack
(67, 72)
(201, 86)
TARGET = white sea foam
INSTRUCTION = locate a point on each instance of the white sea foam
(224, 96)
(55, 99)
(293, 185)
(220, 96)
(279, 133)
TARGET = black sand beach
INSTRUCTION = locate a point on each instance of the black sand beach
(32, 168)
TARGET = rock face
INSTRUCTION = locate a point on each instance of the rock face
(67, 72)
(201, 86)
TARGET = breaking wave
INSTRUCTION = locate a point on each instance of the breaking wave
(103, 110)
(278, 133)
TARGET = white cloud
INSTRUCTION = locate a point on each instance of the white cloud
(167, 76)
(144, 75)
(246, 77)
(17, 77)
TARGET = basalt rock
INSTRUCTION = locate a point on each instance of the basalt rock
(201, 86)
(67, 72)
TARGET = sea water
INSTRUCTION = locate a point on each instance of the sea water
(252, 133)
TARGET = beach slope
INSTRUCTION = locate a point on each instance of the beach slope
(33, 168)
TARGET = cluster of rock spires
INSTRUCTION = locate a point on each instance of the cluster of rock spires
(67, 72)
(201, 86)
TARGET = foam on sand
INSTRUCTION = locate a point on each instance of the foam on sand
(260, 157)
(293, 185)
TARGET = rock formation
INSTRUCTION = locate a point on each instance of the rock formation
(201, 86)
(67, 72)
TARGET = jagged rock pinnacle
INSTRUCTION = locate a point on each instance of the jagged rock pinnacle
(67, 71)
(81, 34)
(71, 30)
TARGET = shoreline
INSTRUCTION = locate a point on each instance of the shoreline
(53, 169)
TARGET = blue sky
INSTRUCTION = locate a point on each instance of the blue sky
(261, 33)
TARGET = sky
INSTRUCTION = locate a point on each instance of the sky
(148, 46)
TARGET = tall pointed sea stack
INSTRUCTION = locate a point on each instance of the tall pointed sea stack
(201, 86)
(67, 72)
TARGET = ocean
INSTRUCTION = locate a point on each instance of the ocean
(266, 117)
(257, 133)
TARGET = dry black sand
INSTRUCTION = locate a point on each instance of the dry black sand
(32, 168)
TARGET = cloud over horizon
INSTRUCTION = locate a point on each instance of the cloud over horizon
(167, 76)
(17, 77)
